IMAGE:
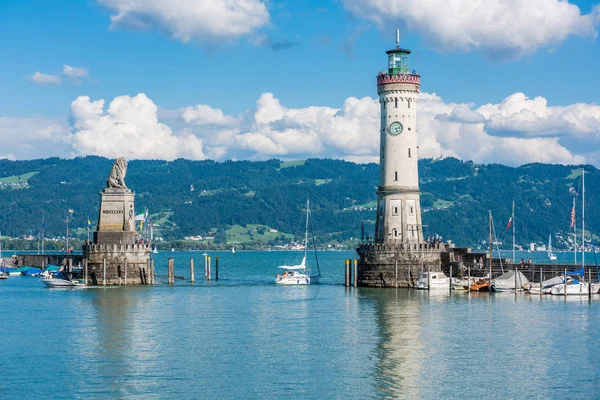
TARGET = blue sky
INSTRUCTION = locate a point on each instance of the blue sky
(306, 54)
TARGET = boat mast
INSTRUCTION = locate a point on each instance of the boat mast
(513, 224)
(583, 218)
(574, 234)
(306, 232)
(491, 245)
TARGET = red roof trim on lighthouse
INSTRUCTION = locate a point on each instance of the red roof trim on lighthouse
(384, 79)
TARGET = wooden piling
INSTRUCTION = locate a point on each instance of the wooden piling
(429, 277)
(216, 268)
(347, 281)
(192, 280)
(355, 273)
(590, 283)
(450, 280)
(104, 271)
(515, 280)
(205, 266)
(565, 282)
(171, 272)
(409, 275)
(469, 278)
(85, 271)
(541, 280)
(125, 265)
(152, 271)
(208, 273)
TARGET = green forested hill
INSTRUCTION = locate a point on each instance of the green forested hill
(196, 197)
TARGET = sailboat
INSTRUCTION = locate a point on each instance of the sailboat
(551, 255)
(233, 249)
(300, 274)
(155, 250)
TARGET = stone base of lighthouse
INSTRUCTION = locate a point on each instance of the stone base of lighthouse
(399, 265)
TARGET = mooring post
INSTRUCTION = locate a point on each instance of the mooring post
(208, 274)
(515, 280)
(205, 266)
(104, 271)
(469, 278)
(541, 280)
(85, 271)
(565, 284)
(216, 268)
(171, 274)
(450, 280)
(590, 283)
(152, 271)
(409, 275)
(347, 281)
(355, 273)
(192, 280)
(429, 277)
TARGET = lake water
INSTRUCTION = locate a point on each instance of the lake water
(245, 337)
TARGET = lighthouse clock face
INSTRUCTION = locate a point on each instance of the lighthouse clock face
(395, 128)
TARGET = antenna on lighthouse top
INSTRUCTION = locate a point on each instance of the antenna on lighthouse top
(397, 38)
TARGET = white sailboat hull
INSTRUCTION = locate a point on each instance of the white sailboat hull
(299, 279)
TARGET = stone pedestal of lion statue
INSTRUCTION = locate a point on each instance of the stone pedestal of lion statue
(117, 256)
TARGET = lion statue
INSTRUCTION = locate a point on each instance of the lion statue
(116, 179)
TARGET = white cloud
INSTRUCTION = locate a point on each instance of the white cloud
(45, 79)
(204, 115)
(74, 72)
(500, 28)
(129, 127)
(205, 21)
(515, 131)
(34, 137)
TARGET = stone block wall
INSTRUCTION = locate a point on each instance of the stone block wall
(125, 264)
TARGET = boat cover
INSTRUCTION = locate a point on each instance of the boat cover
(506, 281)
(33, 272)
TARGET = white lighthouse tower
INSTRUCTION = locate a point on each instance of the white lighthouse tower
(398, 210)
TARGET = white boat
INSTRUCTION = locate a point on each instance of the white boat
(299, 274)
(508, 282)
(546, 285)
(294, 274)
(155, 250)
(438, 281)
(575, 288)
(232, 249)
(551, 255)
(60, 279)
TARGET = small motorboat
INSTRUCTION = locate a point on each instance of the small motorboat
(437, 281)
(480, 286)
(61, 279)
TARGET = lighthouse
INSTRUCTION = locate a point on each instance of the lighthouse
(398, 254)
(398, 206)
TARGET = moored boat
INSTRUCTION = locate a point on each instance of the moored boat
(480, 286)
(438, 280)
(61, 279)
